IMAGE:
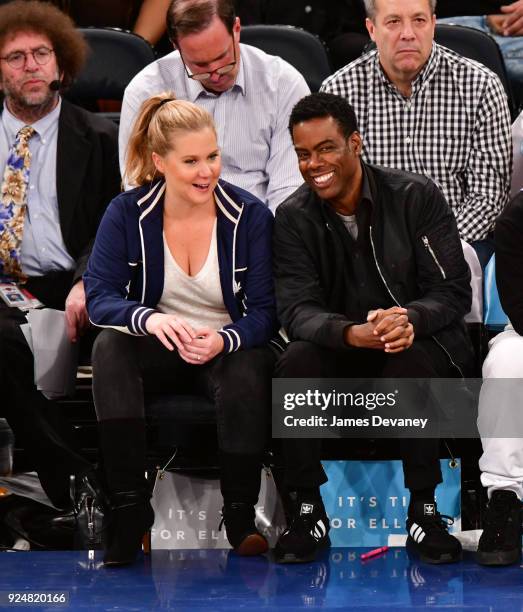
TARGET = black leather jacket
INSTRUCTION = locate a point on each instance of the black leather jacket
(416, 250)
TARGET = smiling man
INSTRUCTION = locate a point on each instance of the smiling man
(249, 94)
(59, 166)
(426, 109)
(370, 282)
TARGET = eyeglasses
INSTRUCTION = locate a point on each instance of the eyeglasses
(203, 76)
(17, 59)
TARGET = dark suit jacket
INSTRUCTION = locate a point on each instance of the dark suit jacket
(87, 177)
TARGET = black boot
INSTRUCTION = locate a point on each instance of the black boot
(242, 534)
(500, 542)
(130, 516)
(240, 486)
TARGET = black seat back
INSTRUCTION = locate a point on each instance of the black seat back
(301, 49)
(115, 57)
(479, 46)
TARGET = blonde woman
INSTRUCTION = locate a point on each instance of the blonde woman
(182, 264)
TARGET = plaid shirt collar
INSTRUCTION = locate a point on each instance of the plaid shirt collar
(425, 75)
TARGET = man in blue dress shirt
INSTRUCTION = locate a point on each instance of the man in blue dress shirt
(249, 94)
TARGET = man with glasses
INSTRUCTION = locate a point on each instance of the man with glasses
(59, 171)
(249, 93)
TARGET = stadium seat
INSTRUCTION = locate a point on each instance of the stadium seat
(495, 318)
(478, 46)
(115, 57)
(301, 49)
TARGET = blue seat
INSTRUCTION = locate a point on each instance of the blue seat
(494, 316)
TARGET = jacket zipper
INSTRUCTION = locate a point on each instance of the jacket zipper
(429, 249)
(448, 355)
(379, 269)
(427, 245)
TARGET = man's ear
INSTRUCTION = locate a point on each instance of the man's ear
(370, 28)
(236, 28)
(356, 143)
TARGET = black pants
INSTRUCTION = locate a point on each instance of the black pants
(239, 383)
(39, 424)
(424, 359)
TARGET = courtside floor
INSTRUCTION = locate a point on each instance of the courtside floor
(214, 580)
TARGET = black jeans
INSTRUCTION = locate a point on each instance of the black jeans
(39, 425)
(424, 359)
(239, 383)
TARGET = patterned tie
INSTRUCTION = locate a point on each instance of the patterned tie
(13, 204)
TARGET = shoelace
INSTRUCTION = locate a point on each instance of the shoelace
(302, 523)
(440, 521)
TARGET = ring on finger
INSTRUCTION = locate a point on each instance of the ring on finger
(198, 358)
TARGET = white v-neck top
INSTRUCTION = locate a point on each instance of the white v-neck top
(197, 299)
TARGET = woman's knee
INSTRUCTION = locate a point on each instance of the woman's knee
(110, 349)
(108, 340)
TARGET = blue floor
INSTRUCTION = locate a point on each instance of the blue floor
(220, 580)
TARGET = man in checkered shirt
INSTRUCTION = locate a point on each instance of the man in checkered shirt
(426, 109)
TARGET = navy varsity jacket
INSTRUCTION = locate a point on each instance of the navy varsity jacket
(125, 273)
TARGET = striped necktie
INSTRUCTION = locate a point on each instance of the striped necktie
(13, 204)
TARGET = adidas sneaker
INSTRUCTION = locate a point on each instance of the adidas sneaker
(307, 533)
(428, 536)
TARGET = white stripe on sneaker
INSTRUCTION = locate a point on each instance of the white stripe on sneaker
(319, 530)
(417, 533)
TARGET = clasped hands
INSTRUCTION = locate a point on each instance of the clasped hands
(386, 329)
(195, 346)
